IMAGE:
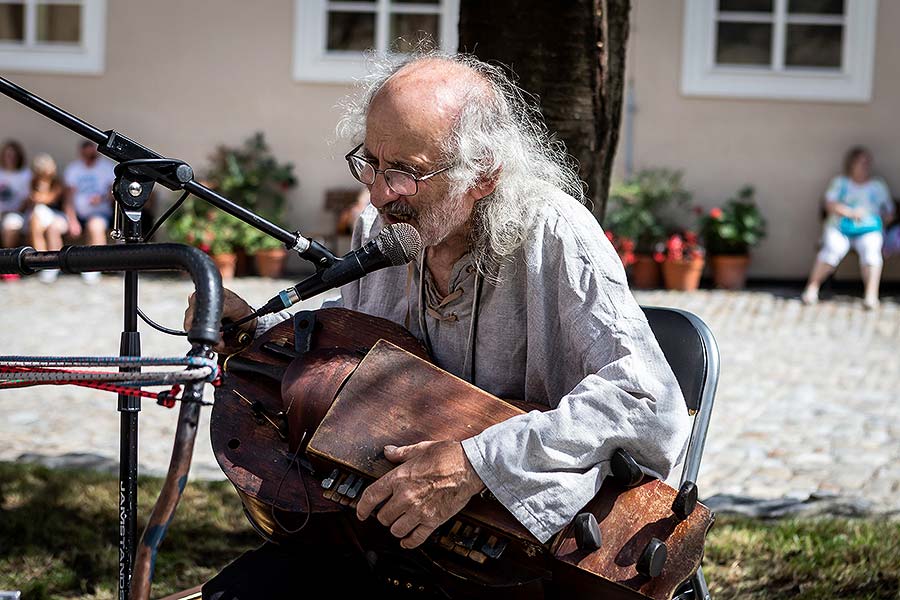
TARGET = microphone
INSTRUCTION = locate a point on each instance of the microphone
(396, 245)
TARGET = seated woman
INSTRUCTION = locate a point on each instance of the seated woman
(855, 204)
(47, 222)
(15, 178)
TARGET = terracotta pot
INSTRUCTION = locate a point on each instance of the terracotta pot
(243, 265)
(270, 263)
(683, 275)
(645, 272)
(730, 271)
(226, 264)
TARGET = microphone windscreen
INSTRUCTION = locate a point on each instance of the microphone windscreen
(400, 243)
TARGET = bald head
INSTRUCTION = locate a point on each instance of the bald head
(424, 97)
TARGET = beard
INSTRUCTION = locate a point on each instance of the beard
(434, 221)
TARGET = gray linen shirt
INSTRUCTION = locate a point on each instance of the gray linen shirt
(561, 329)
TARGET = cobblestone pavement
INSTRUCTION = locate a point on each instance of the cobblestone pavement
(808, 400)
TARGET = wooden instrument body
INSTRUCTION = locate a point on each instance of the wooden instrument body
(355, 402)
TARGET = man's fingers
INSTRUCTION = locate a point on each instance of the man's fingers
(374, 495)
(392, 510)
(417, 537)
(189, 312)
(403, 526)
(397, 454)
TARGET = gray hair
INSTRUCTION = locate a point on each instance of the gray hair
(499, 135)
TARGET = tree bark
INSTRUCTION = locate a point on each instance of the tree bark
(570, 54)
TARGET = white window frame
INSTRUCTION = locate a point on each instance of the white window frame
(86, 58)
(312, 63)
(700, 76)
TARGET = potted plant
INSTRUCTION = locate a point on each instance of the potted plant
(682, 260)
(729, 233)
(268, 254)
(251, 176)
(209, 229)
(640, 211)
(624, 248)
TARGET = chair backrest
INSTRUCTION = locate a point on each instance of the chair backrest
(693, 355)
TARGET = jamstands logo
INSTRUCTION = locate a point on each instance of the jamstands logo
(122, 590)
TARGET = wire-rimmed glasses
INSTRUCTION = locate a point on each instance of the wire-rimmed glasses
(400, 182)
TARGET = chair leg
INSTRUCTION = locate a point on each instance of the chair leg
(701, 591)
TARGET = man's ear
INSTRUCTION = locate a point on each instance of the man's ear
(486, 185)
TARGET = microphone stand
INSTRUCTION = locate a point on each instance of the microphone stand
(138, 170)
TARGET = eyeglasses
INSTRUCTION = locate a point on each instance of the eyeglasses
(400, 182)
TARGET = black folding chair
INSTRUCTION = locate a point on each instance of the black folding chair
(693, 355)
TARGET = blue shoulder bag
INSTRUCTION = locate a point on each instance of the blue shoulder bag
(857, 227)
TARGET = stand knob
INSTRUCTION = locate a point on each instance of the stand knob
(587, 533)
(685, 501)
(652, 559)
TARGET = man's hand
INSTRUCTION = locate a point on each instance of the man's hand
(234, 308)
(433, 483)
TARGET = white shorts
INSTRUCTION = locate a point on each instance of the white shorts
(47, 216)
(13, 221)
(835, 246)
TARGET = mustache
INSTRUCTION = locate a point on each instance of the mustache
(399, 209)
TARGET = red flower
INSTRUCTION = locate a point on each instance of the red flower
(628, 244)
(610, 236)
(659, 257)
(715, 213)
(204, 247)
(690, 237)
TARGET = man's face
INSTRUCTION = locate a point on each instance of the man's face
(89, 152)
(402, 135)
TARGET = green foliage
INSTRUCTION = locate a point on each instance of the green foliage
(58, 538)
(249, 176)
(736, 227)
(803, 559)
(641, 207)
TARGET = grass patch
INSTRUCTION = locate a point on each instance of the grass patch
(58, 539)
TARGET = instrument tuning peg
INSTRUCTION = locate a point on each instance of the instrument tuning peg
(625, 469)
(653, 558)
(587, 533)
(685, 501)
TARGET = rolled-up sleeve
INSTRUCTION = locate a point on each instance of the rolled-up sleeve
(589, 339)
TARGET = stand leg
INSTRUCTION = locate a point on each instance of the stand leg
(129, 407)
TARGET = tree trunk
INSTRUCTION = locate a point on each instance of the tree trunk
(571, 55)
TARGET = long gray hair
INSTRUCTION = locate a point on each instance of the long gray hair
(498, 135)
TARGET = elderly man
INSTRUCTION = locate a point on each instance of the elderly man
(517, 291)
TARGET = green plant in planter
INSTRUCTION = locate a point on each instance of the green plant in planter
(254, 240)
(644, 207)
(734, 228)
(210, 229)
(250, 175)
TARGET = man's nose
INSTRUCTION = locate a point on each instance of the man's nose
(379, 192)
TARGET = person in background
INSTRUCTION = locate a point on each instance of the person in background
(89, 204)
(47, 222)
(15, 178)
(855, 204)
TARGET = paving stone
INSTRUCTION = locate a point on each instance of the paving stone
(807, 398)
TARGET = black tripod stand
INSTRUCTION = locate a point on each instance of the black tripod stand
(139, 170)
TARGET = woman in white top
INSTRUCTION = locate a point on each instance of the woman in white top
(15, 179)
(855, 204)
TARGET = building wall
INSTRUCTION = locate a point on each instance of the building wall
(787, 149)
(183, 77)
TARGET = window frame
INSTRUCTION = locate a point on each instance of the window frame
(312, 63)
(852, 82)
(85, 58)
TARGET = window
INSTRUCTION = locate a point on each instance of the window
(331, 36)
(56, 36)
(780, 49)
